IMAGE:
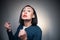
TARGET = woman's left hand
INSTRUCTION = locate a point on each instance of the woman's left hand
(22, 35)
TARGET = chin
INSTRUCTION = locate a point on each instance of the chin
(26, 19)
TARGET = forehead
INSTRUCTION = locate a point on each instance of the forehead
(28, 8)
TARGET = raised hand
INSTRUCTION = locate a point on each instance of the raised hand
(22, 35)
(7, 25)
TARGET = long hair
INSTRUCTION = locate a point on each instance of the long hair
(34, 20)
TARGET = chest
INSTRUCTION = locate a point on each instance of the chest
(30, 33)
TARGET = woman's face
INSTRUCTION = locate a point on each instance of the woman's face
(27, 13)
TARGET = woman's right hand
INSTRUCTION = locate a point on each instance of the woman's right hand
(7, 25)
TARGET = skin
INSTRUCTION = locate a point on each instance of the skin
(27, 16)
(28, 12)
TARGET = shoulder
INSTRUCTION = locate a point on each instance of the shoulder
(36, 28)
(20, 26)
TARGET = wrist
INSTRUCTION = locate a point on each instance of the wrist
(8, 30)
(25, 38)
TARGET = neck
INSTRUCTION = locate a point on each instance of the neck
(27, 23)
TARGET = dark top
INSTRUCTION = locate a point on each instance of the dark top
(33, 33)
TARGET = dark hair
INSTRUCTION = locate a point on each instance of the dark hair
(34, 20)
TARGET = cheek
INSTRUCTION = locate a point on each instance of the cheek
(29, 15)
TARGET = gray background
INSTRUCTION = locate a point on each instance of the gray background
(10, 11)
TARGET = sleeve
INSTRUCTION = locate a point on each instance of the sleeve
(15, 36)
(10, 35)
(38, 35)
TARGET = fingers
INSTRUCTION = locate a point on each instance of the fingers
(22, 33)
(7, 25)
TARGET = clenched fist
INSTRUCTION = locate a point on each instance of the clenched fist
(22, 35)
(7, 25)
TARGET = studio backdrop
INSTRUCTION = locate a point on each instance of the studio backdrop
(47, 12)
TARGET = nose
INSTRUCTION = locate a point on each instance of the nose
(25, 12)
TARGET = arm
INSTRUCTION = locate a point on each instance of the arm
(7, 25)
(13, 37)
(10, 35)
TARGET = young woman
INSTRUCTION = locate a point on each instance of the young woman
(28, 29)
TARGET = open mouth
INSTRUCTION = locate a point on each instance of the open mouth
(24, 15)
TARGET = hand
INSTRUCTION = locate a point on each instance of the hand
(7, 25)
(22, 34)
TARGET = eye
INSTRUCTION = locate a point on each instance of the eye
(28, 10)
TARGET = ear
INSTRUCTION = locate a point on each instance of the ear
(33, 16)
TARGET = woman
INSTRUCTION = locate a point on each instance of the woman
(28, 29)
